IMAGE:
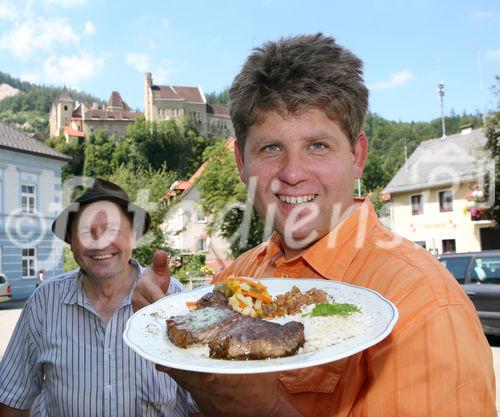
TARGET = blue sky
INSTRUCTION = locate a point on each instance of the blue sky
(407, 46)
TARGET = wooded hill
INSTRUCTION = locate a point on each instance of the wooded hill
(29, 110)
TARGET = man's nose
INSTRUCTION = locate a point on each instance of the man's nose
(293, 169)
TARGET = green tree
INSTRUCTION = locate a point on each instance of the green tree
(98, 151)
(374, 174)
(73, 149)
(221, 97)
(492, 132)
(223, 198)
(174, 142)
(127, 153)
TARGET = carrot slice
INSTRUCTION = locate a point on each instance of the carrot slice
(191, 305)
(264, 298)
(249, 281)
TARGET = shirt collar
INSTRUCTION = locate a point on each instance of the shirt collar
(76, 295)
(331, 255)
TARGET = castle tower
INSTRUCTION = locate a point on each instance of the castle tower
(61, 113)
(148, 96)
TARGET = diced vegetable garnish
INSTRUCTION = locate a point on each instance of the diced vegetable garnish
(245, 295)
(191, 305)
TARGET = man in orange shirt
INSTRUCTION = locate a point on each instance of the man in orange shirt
(298, 106)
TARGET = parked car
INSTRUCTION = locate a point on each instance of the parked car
(4, 288)
(479, 275)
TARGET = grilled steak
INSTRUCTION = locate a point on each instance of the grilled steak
(231, 335)
(254, 338)
(214, 298)
(198, 326)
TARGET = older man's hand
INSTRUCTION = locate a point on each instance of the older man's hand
(153, 283)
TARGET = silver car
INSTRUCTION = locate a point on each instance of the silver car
(4, 288)
(479, 275)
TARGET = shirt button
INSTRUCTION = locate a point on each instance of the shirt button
(109, 387)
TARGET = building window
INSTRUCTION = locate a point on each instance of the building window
(449, 245)
(417, 206)
(27, 198)
(201, 245)
(200, 217)
(29, 262)
(445, 201)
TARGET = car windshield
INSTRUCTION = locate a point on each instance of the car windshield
(457, 266)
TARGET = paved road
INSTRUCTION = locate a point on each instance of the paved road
(9, 313)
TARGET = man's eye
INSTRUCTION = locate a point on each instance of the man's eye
(318, 146)
(271, 148)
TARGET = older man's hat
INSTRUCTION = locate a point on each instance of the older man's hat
(102, 190)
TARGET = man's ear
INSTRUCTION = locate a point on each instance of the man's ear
(360, 152)
(238, 156)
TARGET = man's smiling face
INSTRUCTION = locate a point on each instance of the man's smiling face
(102, 240)
(304, 169)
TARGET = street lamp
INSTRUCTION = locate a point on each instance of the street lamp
(441, 95)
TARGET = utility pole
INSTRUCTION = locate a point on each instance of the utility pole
(441, 95)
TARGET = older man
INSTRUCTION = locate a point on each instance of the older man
(67, 350)
(298, 106)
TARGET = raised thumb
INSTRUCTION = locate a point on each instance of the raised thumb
(161, 269)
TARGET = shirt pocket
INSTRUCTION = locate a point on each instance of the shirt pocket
(319, 379)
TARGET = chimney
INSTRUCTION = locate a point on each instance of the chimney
(466, 129)
(95, 106)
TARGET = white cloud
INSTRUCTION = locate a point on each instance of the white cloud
(89, 28)
(165, 23)
(396, 80)
(142, 63)
(483, 15)
(8, 11)
(41, 33)
(66, 3)
(162, 72)
(70, 70)
(139, 61)
(493, 54)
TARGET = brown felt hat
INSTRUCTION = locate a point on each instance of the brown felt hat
(102, 190)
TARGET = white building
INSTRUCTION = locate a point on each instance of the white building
(436, 198)
(30, 199)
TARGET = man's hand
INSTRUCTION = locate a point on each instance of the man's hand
(217, 395)
(153, 283)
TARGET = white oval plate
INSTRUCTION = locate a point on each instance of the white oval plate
(146, 334)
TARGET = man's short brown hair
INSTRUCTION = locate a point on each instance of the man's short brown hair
(295, 74)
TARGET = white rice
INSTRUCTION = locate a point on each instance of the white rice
(324, 331)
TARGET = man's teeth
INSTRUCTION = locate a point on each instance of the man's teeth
(297, 199)
(99, 257)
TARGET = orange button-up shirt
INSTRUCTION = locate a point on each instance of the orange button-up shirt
(435, 363)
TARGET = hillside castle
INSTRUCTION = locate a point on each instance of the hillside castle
(161, 102)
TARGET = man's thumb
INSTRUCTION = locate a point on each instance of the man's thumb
(160, 268)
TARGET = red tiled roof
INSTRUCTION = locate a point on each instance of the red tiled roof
(190, 94)
(218, 110)
(116, 101)
(73, 132)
